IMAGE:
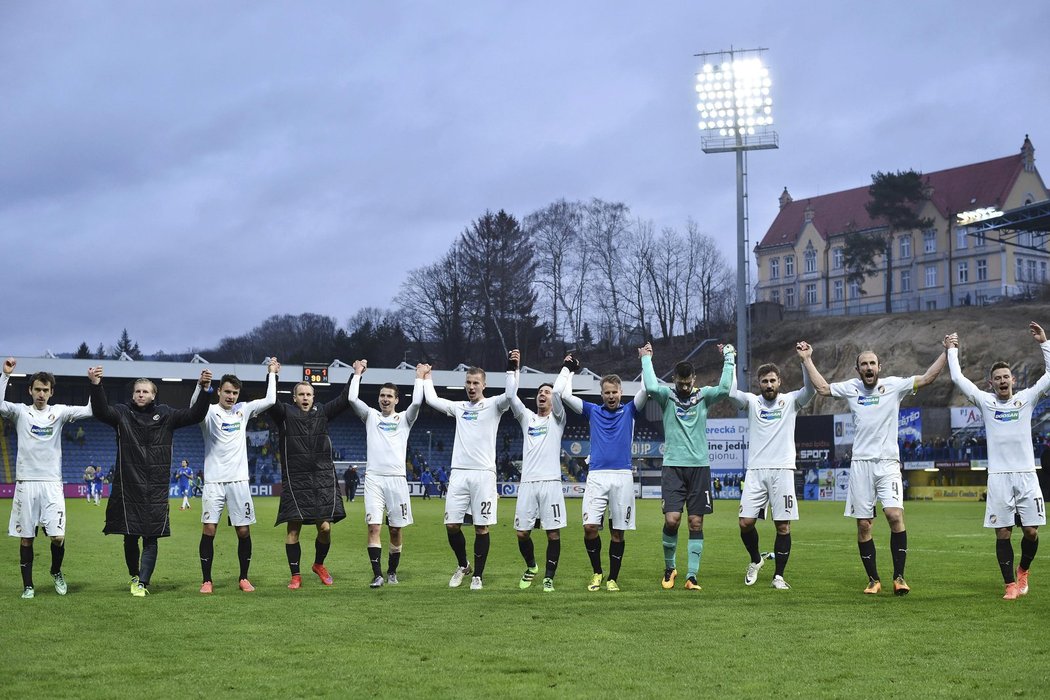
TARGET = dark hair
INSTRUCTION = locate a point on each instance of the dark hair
(767, 368)
(43, 378)
(684, 370)
(998, 365)
(391, 385)
(298, 384)
(476, 370)
(543, 385)
(230, 379)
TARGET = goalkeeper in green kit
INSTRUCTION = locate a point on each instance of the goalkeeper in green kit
(686, 479)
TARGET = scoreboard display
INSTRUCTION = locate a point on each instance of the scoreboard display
(315, 374)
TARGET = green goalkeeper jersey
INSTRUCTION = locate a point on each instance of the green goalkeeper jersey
(685, 422)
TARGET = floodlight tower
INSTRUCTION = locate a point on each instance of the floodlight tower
(736, 115)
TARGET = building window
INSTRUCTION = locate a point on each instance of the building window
(931, 306)
(961, 234)
(1042, 271)
(982, 270)
(963, 270)
(789, 297)
(905, 280)
(838, 290)
(774, 296)
(905, 247)
(810, 260)
(931, 275)
(1030, 269)
(929, 240)
(789, 265)
(854, 290)
(837, 258)
(978, 239)
(774, 268)
(811, 294)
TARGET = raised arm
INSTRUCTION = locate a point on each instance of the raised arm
(717, 393)
(433, 400)
(968, 388)
(510, 391)
(820, 385)
(806, 395)
(358, 406)
(100, 407)
(557, 405)
(412, 412)
(340, 403)
(568, 398)
(931, 373)
(649, 380)
(7, 410)
(199, 409)
(254, 408)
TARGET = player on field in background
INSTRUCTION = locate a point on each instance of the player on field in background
(183, 477)
(770, 478)
(39, 496)
(226, 478)
(310, 493)
(90, 477)
(139, 487)
(610, 482)
(472, 484)
(686, 474)
(1013, 486)
(386, 481)
(540, 497)
(875, 467)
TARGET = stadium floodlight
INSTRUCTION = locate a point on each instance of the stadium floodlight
(735, 108)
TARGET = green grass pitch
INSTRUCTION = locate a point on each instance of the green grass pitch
(952, 637)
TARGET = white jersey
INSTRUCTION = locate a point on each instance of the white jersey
(476, 425)
(875, 414)
(1008, 424)
(386, 436)
(541, 450)
(39, 436)
(225, 442)
(771, 425)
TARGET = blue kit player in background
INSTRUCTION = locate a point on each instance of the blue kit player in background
(184, 483)
(610, 483)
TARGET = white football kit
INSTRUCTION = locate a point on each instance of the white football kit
(540, 496)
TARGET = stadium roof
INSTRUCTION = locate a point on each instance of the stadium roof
(1031, 218)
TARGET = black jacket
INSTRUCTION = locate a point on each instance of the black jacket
(138, 501)
(310, 488)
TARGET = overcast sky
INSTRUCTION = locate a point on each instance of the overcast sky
(187, 169)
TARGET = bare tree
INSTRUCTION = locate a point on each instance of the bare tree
(433, 302)
(555, 233)
(707, 279)
(667, 273)
(605, 230)
(638, 265)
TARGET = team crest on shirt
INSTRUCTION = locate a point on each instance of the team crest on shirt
(1007, 416)
(868, 400)
(882, 389)
(471, 415)
(156, 416)
(42, 431)
(991, 518)
(207, 515)
(1017, 403)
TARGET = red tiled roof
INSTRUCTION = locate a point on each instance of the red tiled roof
(954, 190)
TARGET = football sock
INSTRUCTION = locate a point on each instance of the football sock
(528, 552)
(781, 552)
(207, 553)
(375, 558)
(294, 552)
(696, 550)
(58, 552)
(321, 551)
(898, 551)
(1028, 550)
(615, 558)
(131, 554)
(458, 541)
(25, 557)
(481, 553)
(553, 554)
(594, 552)
(149, 559)
(244, 555)
(867, 558)
(394, 559)
(185, 502)
(1004, 553)
(750, 539)
(670, 540)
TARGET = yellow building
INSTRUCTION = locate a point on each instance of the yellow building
(800, 259)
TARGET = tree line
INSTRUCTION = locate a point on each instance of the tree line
(572, 275)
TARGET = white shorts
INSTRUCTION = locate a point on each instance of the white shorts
(235, 495)
(542, 500)
(387, 494)
(471, 491)
(613, 490)
(772, 488)
(38, 503)
(871, 479)
(1013, 494)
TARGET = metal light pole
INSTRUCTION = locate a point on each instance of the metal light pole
(736, 114)
(430, 439)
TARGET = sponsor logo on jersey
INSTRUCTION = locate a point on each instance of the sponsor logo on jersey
(1006, 416)
(537, 430)
(868, 400)
(684, 412)
(230, 427)
(471, 415)
(387, 427)
(43, 431)
(770, 414)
